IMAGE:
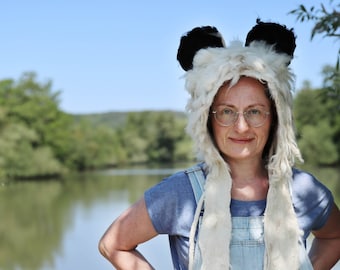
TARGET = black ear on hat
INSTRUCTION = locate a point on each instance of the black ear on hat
(196, 39)
(275, 34)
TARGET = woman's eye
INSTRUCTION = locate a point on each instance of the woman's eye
(227, 111)
(254, 112)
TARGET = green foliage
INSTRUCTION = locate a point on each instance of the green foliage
(162, 148)
(154, 137)
(20, 159)
(327, 23)
(318, 127)
(304, 101)
(326, 20)
(37, 139)
(331, 84)
(317, 112)
(90, 148)
(317, 144)
(28, 112)
(112, 120)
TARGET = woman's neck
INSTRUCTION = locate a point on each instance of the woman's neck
(250, 180)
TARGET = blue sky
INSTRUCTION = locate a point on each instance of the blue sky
(110, 55)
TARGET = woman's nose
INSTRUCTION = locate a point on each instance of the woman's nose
(241, 125)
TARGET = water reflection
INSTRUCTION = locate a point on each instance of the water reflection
(55, 225)
(33, 218)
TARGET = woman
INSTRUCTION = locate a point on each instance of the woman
(243, 206)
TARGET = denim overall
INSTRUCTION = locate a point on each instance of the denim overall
(247, 247)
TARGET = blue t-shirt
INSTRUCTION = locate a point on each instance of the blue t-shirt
(171, 205)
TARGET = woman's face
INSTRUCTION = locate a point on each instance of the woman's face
(242, 140)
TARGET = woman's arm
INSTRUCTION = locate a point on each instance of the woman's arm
(119, 242)
(325, 250)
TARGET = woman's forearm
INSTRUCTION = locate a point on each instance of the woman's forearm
(127, 260)
(324, 253)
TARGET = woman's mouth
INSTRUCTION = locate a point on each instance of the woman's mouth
(241, 140)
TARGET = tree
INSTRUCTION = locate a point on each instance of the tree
(20, 158)
(154, 137)
(317, 127)
(37, 139)
(327, 23)
(91, 148)
(29, 113)
(162, 147)
(318, 139)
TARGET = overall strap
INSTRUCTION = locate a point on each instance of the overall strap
(197, 179)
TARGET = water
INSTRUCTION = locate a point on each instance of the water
(56, 225)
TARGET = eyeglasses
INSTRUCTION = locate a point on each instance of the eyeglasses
(226, 116)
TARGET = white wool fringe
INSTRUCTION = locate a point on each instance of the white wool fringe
(216, 222)
(211, 68)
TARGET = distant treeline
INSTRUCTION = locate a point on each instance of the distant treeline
(38, 139)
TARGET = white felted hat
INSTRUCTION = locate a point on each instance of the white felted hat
(211, 68)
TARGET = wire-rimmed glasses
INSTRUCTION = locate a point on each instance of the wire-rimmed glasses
(227, 116)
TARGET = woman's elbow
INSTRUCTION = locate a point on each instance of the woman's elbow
(107, 248)
(104, 248)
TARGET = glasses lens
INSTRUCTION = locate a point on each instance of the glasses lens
(255, 117)
(225, 116)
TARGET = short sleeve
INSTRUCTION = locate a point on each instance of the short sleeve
(171, 205)
(312, 201)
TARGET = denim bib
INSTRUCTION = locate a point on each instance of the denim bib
(247, 247)
(247, 243)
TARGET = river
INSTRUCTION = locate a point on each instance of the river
(56, 224)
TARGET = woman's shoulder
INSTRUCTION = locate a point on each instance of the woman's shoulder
(306, 183)
(178, 184)
(171, 204)
(306, 179)
(312, 200)
(307, 189)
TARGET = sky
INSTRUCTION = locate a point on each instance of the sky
(111, 55)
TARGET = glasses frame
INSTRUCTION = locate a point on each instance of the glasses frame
(236, 117)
